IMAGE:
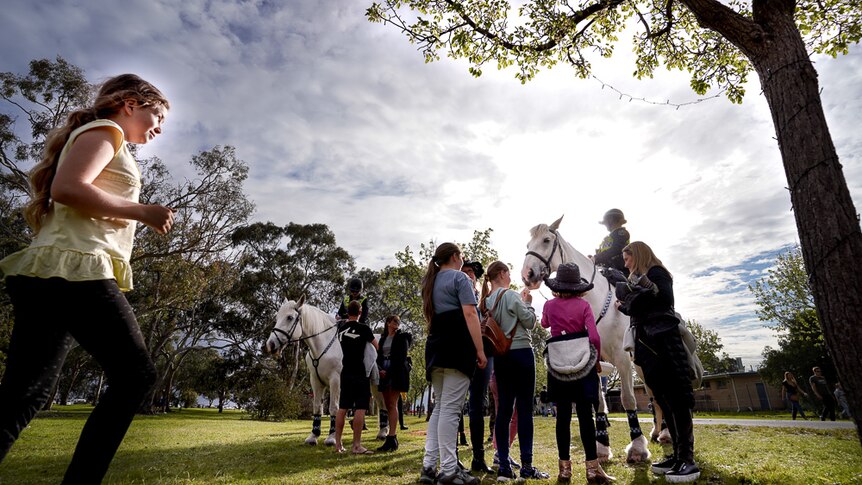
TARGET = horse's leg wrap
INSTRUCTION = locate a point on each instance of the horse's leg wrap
(315, 428)
(602, 429)
(634, 425)
(384, 419)
(331, 424)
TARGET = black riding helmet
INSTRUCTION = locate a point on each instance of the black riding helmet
(355, 285)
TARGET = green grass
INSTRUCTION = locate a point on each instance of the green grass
(202, 447)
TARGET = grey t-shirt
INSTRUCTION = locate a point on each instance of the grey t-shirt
(452, 290)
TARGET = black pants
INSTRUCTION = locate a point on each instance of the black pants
(478, 391)
(665, 365)
(49, 313)
(584, 393)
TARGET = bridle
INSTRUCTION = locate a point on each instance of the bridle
(287, 335)
(547, 263)
(314, 361)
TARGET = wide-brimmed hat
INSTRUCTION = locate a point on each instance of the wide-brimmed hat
(568, 279)
(478, 270)
(613, 214)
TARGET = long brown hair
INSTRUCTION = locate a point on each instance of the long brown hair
(442, 254)
(494, 270)
(643, 257)
(111, 97)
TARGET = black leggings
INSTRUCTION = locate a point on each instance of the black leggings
(49, 313)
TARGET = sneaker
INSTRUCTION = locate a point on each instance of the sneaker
(664, 466)
(428, 476)
(505, 474)
(686, 472)
(530, 472)
(460, 477)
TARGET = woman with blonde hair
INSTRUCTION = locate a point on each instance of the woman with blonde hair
(453, 350)
(661, 354)
(68, 283)
(790, 391)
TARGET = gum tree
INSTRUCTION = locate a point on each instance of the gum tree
(719, 44)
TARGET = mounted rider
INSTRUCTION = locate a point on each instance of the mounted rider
(610, 253)
(354, 293)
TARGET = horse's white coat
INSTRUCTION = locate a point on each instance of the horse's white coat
(611, 328)
(318, 330)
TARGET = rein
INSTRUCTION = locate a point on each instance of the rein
(547, 263)
(314, 361)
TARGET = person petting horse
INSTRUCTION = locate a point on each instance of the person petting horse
(69, 283)
(569, 316)
(661, 354)
(355, 384)
(515, 370)
(453, 350)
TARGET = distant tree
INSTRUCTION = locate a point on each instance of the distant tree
(718, 43)
(709, 350)
(784, 301)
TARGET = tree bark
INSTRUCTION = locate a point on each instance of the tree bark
(826, 218)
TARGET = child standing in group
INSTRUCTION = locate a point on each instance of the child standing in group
(355, 384)
(68, 283)
(569, 314)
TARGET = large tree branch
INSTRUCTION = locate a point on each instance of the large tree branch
(575, 18)
(742, 32)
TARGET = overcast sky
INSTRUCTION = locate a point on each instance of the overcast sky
(342, 123)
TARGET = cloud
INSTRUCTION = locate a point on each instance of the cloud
(342, 122)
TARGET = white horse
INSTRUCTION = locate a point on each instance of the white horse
(297, 321)
(545, 252)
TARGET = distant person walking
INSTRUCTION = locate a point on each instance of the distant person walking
(842, 401)
(823, 392)
(790, 391)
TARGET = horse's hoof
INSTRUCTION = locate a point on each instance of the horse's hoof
(603, 453)
(383, 433)
(637, 451)
(311, 441)
(664, 438)
(329, 441)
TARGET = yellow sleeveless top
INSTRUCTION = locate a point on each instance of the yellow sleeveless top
(76, 247)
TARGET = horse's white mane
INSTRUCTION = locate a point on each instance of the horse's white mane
(317, 320)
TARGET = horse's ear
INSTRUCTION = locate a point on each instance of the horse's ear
(556, 224)
(301, 301)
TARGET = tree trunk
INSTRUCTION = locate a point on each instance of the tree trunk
(99, 389)
(826, 219)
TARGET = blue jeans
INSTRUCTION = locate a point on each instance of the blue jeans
(516, 384)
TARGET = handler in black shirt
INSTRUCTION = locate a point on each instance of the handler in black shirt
(355, 385)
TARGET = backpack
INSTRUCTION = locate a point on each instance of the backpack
(492, 333)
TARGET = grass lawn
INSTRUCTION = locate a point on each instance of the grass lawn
(200, 446)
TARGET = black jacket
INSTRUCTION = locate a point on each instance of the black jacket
(398, 373)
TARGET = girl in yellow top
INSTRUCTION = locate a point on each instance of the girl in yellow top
(67, 284)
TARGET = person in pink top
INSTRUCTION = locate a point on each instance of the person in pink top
(569, 314)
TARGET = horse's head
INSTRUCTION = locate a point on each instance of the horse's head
(287, 326)
(543, 254)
